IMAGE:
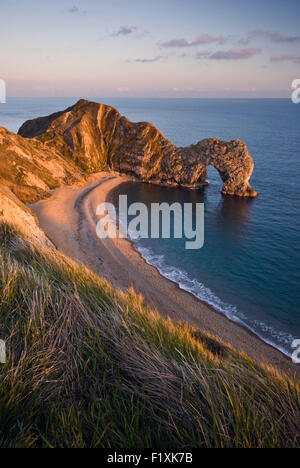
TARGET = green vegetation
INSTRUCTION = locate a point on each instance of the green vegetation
(92, 367)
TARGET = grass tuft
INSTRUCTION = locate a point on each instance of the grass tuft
(90, 366)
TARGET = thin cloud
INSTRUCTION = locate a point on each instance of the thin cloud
(123, 90)
(286, 58)
(201, 55)
(202, 39)
(244, 41)
(159, 58)
(235, 54)
(125, 31)
(176, 43)
(75, 10)
(274, 36)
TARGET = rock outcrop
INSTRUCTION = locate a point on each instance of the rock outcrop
(95, 136)
(30, 169)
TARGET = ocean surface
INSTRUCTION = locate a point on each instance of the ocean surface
(249, 267)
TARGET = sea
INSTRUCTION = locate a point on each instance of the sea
(249, 266)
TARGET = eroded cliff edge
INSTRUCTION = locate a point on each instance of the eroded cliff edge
(95, 136)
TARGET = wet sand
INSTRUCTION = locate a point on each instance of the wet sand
(69, 219)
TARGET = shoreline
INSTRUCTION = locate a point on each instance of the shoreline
(69, 220)
(110, 198)
(211, 307)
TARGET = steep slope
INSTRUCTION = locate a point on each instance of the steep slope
(29, 168)
(14, 211)
(95, 136)
(90, 366)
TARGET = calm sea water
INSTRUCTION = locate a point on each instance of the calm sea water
(249, 267)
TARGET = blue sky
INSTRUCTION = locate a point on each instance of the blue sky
(143, 48)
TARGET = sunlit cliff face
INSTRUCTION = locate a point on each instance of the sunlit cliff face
(95, 136)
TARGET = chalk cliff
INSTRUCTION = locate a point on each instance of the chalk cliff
(95, 136)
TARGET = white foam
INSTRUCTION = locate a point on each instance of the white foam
(278, 339)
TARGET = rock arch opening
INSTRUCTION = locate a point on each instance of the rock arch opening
(214, 177)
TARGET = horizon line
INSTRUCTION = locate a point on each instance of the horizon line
(147, 97)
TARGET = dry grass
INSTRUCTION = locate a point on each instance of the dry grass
(90, 366)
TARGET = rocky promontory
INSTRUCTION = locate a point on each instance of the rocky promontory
(95, 136)
(89, 137)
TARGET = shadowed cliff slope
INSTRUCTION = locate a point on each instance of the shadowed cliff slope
(95, 136)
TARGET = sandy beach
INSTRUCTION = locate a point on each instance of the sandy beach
(69, 220)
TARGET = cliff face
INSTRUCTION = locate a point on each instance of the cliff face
(15, 212)
(94, 136)
(30, 168)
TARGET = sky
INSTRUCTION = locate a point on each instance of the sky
(143, 48)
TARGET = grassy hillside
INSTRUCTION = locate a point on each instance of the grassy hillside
(92, 367)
